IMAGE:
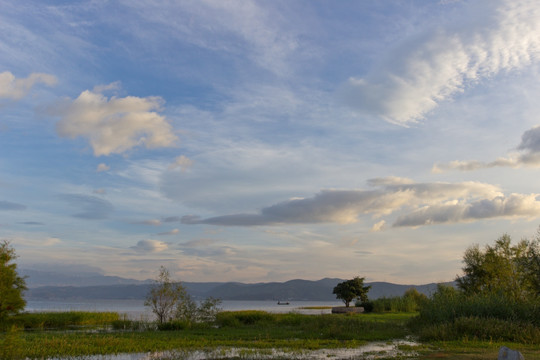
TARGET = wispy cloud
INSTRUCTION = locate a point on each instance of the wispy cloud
(151, 222)
(181, 162)
(422, 204)
(528, 155)
(116, 124)
(31, 223)
(8, 205)
(16, 88)
(103, 167)
(239, 28)
(150, 246)
(52, 241)
(92, 207)
(207, 248)
(171, 232)
(442, 61)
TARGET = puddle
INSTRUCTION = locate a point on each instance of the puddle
(375, 350)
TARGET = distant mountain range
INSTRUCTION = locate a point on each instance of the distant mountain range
(45, 286)
(38, 278)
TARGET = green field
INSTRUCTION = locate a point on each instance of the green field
(80, 333)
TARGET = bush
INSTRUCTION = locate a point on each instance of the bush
(367, 305)
(452, 315)
(476, 328)
(174, 325)
(394, 304)
(249, 317)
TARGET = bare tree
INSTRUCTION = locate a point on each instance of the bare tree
(164, 296)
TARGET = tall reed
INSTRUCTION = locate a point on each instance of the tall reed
(62, 320)
(452, 315)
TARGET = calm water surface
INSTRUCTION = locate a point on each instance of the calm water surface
(135, 309)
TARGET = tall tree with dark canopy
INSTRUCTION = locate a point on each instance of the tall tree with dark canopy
(12, 285)
(350, 290)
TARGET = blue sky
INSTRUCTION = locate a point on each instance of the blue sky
(267, 140)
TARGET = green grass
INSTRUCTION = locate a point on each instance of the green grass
(250, 330)
(61, 320)
(472, 350)
(453, 316)
(259, 332)
(394, 304)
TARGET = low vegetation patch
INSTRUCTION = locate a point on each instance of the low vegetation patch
(453, 315)
(242, 329)
(61, 320)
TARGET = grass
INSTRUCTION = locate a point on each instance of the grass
(473, 350)
(61, 320)
(244, 329)
(255, 332)
(454, 316)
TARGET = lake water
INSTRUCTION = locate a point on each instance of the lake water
(135, 309)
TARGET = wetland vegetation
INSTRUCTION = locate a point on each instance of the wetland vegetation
(64, 335)
(496, 303)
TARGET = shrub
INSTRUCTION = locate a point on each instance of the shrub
(451, 314)
(174, 325)
(367, 305)
(249, 317)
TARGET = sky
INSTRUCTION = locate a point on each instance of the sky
(260, 141)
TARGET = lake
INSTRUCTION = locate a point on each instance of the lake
(135, 309)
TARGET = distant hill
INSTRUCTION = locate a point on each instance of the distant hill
(39, 278)
(293, 290)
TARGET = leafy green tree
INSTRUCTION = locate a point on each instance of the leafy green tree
(12, 285)
(350, 290)
(416, 297)
(503, 269)
(164, 296)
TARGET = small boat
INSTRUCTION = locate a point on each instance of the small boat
(283, 303)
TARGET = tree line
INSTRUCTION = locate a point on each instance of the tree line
(501, 269)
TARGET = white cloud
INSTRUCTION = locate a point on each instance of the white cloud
(181, 162)
(492, 37)
(515, 205)
(246, 29)
(51, 241)
(172, 232)
(152, 246)
(115, 125)
(419, 204)
(378, 226)
(528, 155)
(15, 89)
(103, 167)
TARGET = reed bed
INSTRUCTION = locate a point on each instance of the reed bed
(395, 304)
(454, 316)
(61, 320)
(243, 329)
